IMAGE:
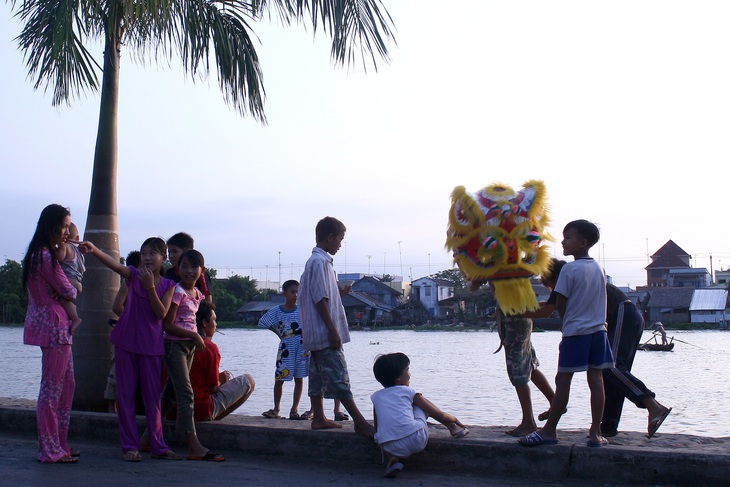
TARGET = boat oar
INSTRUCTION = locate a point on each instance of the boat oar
(686, 343)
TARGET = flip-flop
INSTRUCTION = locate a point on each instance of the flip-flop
(597, 444)
(393, 470)
(271, 414)
(461, 433)
(534, 439)
(132, 456)
(340, 416)
(656, 422)
(208, 457)
(67, 459)
(296, 416)
(168, 455)
(306, 415)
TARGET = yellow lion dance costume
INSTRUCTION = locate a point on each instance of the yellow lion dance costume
(497, 234)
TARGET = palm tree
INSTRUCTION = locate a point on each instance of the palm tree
(196, 30)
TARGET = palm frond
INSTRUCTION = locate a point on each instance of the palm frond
(221, 28)
(53, 48)
(359, 28)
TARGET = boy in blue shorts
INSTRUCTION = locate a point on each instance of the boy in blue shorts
(325, 329)
(581, 303)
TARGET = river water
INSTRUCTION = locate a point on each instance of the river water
(458, 372)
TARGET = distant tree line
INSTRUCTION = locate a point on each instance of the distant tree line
(228, 294)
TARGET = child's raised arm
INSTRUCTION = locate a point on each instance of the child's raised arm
(106, 259)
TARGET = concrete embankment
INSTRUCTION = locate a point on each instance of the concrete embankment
(630, 458)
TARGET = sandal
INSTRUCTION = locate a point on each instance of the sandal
(132, 456)
(340, 416)
(67, 459)
(168, 455)
(306, 415)
(271, 414)
(296, 416)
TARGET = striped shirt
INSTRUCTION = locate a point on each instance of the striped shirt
(318, 282)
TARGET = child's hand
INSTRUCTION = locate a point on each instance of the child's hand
(199, 343)
(87, 247)
(146, 278)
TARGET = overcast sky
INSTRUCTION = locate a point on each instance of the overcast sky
(622, 108)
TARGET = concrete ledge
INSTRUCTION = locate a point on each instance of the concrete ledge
(631, 457)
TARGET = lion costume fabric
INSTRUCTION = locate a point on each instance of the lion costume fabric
(497, 234)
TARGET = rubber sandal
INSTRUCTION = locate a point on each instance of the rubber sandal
(306, 415)
(340, 416)
(208, 457)
(168, 455)
(534, 439)
(393, 470)
(67, 459)
(656, 422)
(293, 415)
(271, 414)
(132, 456)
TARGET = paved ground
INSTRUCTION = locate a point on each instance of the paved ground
(100, 464)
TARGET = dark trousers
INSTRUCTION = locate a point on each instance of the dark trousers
(624, 336)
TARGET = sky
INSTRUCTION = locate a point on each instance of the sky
(622, 109)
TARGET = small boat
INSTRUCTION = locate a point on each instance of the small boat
(657, 347)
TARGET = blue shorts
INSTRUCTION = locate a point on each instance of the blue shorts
(579, 353)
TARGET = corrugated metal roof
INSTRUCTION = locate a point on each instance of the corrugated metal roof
(670, 297)
(708, 300)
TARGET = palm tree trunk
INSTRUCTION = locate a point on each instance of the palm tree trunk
(91, 349)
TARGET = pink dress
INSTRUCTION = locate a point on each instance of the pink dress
(47, 325)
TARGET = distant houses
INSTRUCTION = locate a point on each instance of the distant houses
(675, 293)
(678, 293)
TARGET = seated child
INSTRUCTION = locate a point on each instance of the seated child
(400, 412)
(216, 394)
(72, 263)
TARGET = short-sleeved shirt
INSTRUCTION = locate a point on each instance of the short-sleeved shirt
(203, 376)
(138, 329)
(394, 411)
(318, 282)
(583, 285)
(187, 306)
(204, 283)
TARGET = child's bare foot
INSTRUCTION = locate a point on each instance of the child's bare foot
(457, 430)
(365, 429)
(522, 430)
(74, 325)
(324, 423)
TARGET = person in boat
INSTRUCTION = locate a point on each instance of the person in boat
(659, 328)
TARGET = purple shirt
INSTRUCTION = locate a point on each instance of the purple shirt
(138, 329)
(46, 322)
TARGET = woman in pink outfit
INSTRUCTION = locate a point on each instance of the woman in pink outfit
(48, 326)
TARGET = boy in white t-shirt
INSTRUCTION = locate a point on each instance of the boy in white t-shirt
(581, 303)
(400, 412)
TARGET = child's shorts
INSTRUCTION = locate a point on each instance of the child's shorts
(413, 443)
(328, 375)
(578, 353)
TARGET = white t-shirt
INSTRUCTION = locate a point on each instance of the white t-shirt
(394, 411)
(583, 284)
